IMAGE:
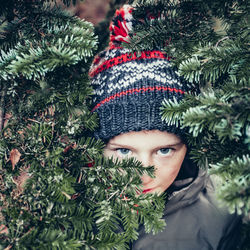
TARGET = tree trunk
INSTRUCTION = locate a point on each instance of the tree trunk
(2, 106)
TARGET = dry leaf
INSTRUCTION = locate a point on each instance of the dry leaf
(3, 229)
(14, 157)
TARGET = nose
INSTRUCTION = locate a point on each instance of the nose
(146, 161)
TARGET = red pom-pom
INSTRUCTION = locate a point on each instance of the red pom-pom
(121, 26)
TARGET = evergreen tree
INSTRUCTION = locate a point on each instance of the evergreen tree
(73, 198)
(208, 41)
(57, 191)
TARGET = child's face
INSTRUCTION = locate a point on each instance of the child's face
(163, 150)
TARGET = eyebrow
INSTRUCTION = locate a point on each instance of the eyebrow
(161, 146)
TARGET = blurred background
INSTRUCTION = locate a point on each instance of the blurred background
(91, 10)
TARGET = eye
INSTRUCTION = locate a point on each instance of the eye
(123, 152)
(164, 151)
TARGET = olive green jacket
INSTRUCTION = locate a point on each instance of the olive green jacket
(195, 220)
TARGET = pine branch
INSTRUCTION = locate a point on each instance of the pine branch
(235, 183)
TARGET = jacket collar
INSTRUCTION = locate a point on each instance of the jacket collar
(187, 191)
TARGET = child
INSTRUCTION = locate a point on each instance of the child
(129, 91)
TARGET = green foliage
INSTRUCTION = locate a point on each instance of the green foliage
(227, 59)
(236, 192)
(175, 26)
(57, 191)
(33, 58)
(216, 119)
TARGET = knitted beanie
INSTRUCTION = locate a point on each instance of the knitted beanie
(129, 87)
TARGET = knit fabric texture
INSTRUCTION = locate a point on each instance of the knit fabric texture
(129, 87)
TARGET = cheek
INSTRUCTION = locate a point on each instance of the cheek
(167, 171)
(165, 176)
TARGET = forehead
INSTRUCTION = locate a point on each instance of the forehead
(152, 138)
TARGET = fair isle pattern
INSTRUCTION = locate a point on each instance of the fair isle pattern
(136, 77)
(127, 75)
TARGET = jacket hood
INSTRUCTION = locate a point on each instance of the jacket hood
(185, 191)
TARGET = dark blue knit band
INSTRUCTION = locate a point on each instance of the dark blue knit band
(134, 112)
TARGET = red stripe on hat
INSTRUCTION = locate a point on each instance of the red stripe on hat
(140, 90)
(126, 58)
